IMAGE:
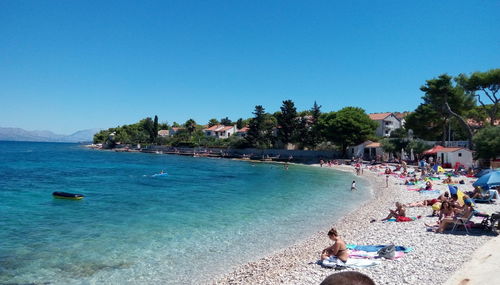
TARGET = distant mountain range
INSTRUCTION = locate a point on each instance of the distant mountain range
(18, 134)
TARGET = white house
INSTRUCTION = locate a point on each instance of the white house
(163, 133)
(368, 150)
(387, 122)
(451, 155)
(220, 131)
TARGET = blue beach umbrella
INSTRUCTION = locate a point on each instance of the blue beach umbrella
(483, 172)
(452, 189)
(488, 180)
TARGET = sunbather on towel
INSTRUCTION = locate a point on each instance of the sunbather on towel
(429, 202)
(399, 212)
(338, 251)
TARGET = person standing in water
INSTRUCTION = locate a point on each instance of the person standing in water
(353, 186)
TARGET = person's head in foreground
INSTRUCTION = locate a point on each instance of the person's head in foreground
(348, 278)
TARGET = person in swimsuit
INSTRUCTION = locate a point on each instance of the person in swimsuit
(337, 253)
(399, 212)
(465, 212)
(423, 203)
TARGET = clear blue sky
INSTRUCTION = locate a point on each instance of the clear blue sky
(70, 65)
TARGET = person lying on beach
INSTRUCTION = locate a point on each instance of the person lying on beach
(423, 203)
(338, 251)
(479, 193)
(399, 212)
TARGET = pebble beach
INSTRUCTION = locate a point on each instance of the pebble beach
(434, 258)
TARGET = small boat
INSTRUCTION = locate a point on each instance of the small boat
(65, 195)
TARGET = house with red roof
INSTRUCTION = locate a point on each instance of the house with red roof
(163, 133)
(242, 132)
(220, 131)
(387, 122)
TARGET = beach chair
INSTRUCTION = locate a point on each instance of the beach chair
(488, 197)
(462, 221)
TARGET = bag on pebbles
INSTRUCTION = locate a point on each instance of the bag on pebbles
(387, 252)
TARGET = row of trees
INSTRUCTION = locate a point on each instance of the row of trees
(448, 108)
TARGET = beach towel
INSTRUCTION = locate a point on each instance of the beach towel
(352, 263)
(430, 192)
(421, 190)
(375, 248)
(371, 255)
(403, 219)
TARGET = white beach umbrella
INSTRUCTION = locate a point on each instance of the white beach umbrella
(412, 157)
(402, 153)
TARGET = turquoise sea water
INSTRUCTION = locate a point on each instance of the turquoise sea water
(205, 217)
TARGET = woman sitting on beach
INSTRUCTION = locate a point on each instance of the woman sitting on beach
(399, 212)
(337, 253)
(465, 212)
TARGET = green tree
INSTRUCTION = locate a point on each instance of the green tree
(148, 126)
(163, 126)
(226, 122)
(486, 82)
(288, 122)
(448, 101)
(388, 145)
(487, 143)
(260, 133)
(190, 126)
(442, 100)
(213, 122)
(155, 127)
(313, 135)
(176, 125)
(239, 123)
(418, 146)
(425, 123)
(347, 127)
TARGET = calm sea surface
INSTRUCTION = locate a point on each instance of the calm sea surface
(204, 218)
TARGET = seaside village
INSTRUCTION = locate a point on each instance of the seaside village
(433, 172)
(435, 188)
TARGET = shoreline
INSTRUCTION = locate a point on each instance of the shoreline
(434, 260)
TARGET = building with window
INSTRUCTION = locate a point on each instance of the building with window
(220, 131)
(449, 156)
(387, 122)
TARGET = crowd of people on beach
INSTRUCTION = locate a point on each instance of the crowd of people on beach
(452, 208)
